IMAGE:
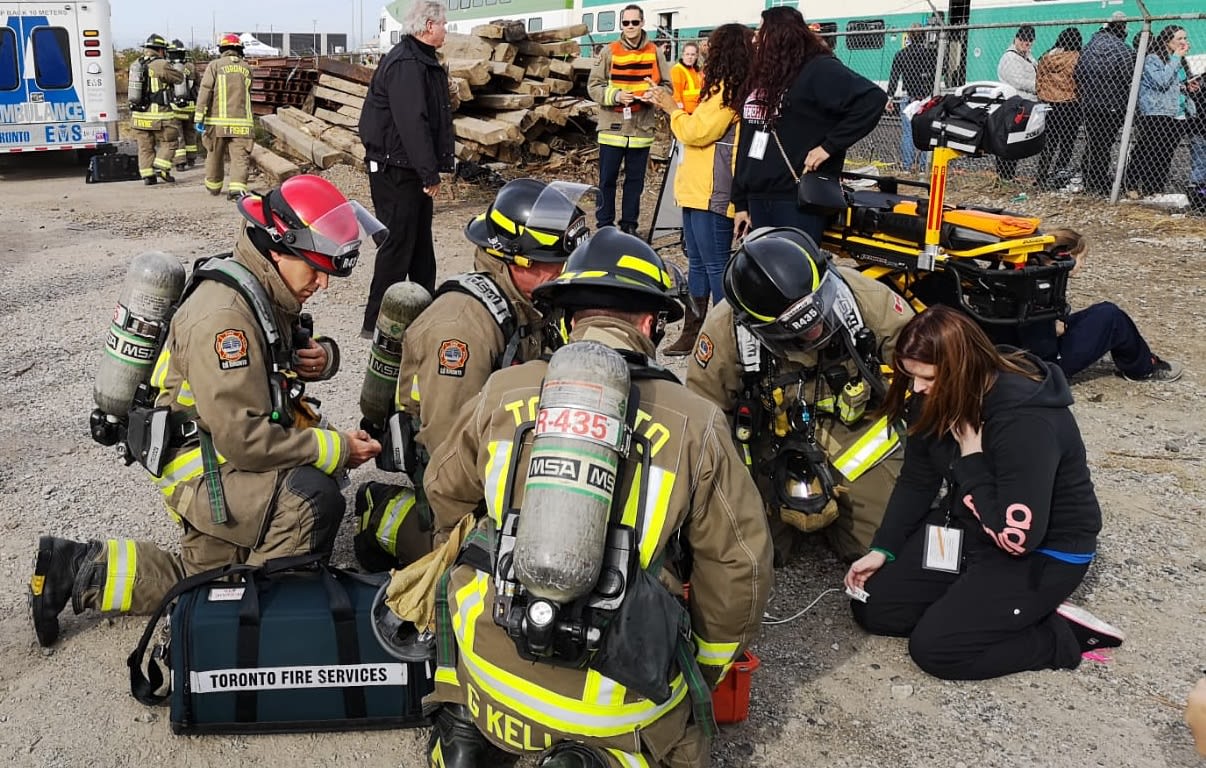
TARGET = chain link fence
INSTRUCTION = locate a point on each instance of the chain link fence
(1127, 99)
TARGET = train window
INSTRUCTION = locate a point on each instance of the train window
(535, 24)
(10, 79)
(589, 20)
(477, 3)
(607, 21)
(52, 57)
(452, 6)
(865, 35)
(491, 2)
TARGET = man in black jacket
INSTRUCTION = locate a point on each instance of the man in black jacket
(1103, 85)
(406, 127)
(913, 67)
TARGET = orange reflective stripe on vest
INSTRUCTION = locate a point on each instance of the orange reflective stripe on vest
(629, 69)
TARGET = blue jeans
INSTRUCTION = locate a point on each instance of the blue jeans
(908, 152)
(785, 213)
(635, 161)
(1103, 328)
(709, 239)
(1197, 159)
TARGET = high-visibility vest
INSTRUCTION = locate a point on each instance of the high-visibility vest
(630, 69)
(688, 82)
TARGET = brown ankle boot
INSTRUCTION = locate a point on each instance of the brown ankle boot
(685, 343)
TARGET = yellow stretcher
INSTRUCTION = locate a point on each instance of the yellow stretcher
(996, 265)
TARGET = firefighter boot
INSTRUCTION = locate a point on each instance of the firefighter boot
(167, 176)
(371, 501)
(692, 323)
(569, 754)
(61, 568)
(455, 742)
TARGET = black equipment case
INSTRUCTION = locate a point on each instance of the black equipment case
(112, 167)
(290, 648)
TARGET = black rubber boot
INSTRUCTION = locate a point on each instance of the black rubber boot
(151, 181)
(167, 177)
(457, 743)
(569, 754)
(373, 558)
(57, 571)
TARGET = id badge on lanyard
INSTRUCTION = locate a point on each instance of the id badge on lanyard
(758, 145)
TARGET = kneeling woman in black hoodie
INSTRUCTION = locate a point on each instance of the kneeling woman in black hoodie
(978, 582)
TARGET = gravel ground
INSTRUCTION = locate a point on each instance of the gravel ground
(826, 692)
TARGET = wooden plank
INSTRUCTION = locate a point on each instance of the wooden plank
(458, 46)
(273, 164)
(335, 118)
(566, 48)
(559, 87)
(351, 112)
(583, 64)
(562, 69)
(488, 31)
(536, 67)
(515, 117)
(552, 113)
(532, 88)
(505, 71)
(503, 100)
(539, 148)
(507, 153)
(347, 86)
(354, 72)
(557, 34)
(486, 132)
(338, 137)
(300, 143)
(476, 71)
(339, 97)
(504, 52)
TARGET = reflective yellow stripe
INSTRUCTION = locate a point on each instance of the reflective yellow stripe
(631, 142)
(185, 396)
(645, 268)
(875, 444)
(330, 446)
(395, 513)
(414, 388)
(657, 500)
(447, 675)
(497, 468)
(120, 566)
(539, 704)
(714, 654)
(159, 372)
(628, 759)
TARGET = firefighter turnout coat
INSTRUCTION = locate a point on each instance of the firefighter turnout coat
(864, 453)
(224, 98)
(621, 67)
(161, 76)
(214, 368)
(697, 485)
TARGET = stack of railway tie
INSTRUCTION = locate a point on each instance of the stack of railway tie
(516, 96)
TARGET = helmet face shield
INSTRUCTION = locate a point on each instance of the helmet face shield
(805, 325)
(557, 215)
(336, 235)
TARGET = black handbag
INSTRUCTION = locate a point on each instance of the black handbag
(819, 193)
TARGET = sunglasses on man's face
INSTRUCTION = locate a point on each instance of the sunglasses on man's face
(630, 22)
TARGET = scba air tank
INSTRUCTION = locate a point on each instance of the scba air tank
(400, 306)
(575, 456)
(138, 74)
(152, 287)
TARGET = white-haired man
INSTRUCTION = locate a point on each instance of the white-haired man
(406, 127)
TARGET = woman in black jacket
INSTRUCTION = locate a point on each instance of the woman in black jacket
(978, 583)
(802, 109)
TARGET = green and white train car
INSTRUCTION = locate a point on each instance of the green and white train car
(865, 35)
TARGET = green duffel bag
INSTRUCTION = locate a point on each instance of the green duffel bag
(288, 648)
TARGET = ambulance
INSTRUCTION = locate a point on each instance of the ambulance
(57, 85)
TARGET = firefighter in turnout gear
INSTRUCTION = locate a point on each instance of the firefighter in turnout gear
(184, 104)
(793, 356)
(251, 472)
(682, 507)
(478, 323)
(152, 116)
(224, 118)
(622, 75)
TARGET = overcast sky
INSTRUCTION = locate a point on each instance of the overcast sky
(194, 23)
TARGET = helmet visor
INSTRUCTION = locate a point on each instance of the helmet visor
(557, 214)
(807, 324)
(336, 235)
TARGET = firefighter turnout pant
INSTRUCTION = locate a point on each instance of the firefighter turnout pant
(186, 149)
(156, 148)
(218, 147)
(133, 576)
